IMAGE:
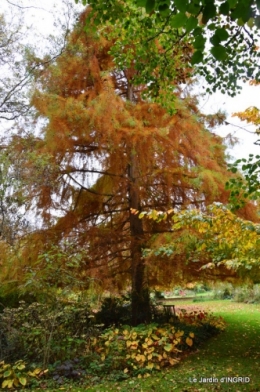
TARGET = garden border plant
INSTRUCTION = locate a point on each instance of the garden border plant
(43, 334)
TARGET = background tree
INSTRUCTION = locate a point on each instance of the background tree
(19, 67)
(14, 101)
(217, 244)
(246, 185)
(21, 58)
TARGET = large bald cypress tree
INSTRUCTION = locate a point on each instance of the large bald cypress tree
(105, 151)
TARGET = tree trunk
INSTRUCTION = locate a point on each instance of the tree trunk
(141, 312)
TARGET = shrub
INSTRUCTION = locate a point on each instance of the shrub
(223, 291)
(16, 375)
(114, 311)
(137, 350)
(10, 297)
(202, 319)
(247, 294)
(200, 288)
(45, 334)
(158, 295)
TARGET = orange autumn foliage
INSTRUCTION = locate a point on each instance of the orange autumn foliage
(106, 150)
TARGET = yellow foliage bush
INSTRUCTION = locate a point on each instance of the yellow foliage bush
(137, 351)
(141, 349)
(16, 375)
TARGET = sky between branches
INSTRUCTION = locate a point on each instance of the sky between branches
(41, 18)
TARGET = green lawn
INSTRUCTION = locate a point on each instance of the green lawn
(234, 353)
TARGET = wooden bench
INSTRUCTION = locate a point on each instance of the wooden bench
(170, 307)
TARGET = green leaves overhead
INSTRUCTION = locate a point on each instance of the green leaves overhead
(179, 20)
(219, 52)
(141, 3)
(220, 34)
(197, 57)
(209, 12)
(181, 5)
(149, 5)
(248, 186)
(230, 28)
(242, 10)
(191, 24)
(224, 8)
(199, 42)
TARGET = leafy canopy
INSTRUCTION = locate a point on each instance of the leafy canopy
(223, 36)
(246, 184)
(211, 240)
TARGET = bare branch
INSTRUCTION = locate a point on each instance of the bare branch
(26, 7)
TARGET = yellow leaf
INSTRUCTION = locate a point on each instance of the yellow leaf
(142, 214)
(153, 214)
(173, 361)
(7, 383)
(155, 337)
(189, 341)
(140, 358)
(149, 342)
(21, 366)
(23, 381)
(168, 347)
(160, 331)
(125, 370)
(4, 383)
(150, 365)
(134, 345)
(139, 376)
(202, 247)
(191, 334)
(165, 356)
(35, 372)
(149, 357)
(128, 343)
(178, 334)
